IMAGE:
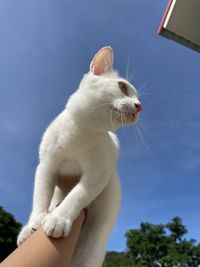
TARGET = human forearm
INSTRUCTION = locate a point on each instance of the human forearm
(41, 251)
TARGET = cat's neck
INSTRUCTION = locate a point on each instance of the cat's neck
(85, 126)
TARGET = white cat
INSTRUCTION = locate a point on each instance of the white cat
(79, 143)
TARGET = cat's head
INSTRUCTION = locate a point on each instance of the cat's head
(104, 99)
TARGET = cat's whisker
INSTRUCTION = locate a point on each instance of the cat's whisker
(124, 120)
(147, 132)
(111, 117)
(121, 119)
(132, 128)
(143, 86)
(139, 134)
(144, 94)
(127, 70)
(139, 139)
(143, 89)
(127, 105)
(136, 138)
(142, 140)
(115, 115)
(121, 116)
(111, 122)
(132, 74)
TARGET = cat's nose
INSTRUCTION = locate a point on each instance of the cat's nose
(138, 106)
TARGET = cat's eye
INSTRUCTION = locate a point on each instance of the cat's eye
(124, 88)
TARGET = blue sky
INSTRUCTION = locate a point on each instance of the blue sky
(45, 48)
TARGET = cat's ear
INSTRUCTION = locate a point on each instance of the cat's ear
(102, 62)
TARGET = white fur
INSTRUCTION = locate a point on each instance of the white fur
(79, 143)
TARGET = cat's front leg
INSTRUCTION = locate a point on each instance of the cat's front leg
(43, 190)
(59, 222)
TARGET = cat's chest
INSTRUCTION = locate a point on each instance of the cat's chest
(69, 167)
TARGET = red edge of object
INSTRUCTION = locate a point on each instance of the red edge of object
(164, 17)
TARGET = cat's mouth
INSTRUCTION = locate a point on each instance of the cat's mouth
(123, 116)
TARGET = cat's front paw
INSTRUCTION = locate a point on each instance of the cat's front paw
(28, 229)
(56, 226)
(24, 234)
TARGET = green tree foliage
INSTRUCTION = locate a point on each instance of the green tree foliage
(177, 229)
(161, 245)
(117, 259)
(9, 230)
